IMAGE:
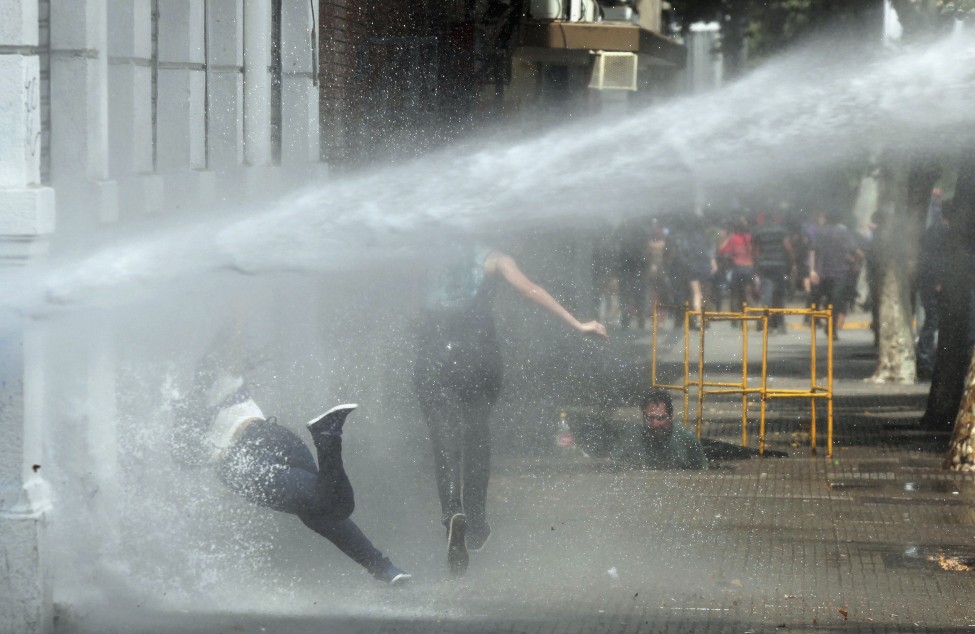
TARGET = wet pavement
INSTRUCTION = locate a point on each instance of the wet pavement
(876, 538)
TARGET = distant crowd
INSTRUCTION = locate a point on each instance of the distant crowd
(722, 264)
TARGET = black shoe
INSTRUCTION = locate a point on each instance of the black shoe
(478, 536)
(393, 576)
(457, 558)
(331, 421)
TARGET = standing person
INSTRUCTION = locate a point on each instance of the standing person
(931, 272)
(774, 262)
(457, 376)
(873, 267)
(632, 274)
(605, 280)
(695, 263)
(812, 288)
(656, 254)
(737, 247)
(218, 423)
(833, 256)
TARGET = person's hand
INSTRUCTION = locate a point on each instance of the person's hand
(593, 329)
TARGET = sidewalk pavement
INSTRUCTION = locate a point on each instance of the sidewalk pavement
(875, 539)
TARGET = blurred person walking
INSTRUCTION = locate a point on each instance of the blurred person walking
(633, 274)
(658, 259)
(694, 264)
(834, 257)
(932, 268)
(774, 262)
(737, 248)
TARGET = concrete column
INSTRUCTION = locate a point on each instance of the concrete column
(26, 217)
(257, 82)
(180, 110)
(130, 106)
(299, 94)
(26, 587)
(79, 112)
(225, 83)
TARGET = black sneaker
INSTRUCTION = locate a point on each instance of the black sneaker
(393, 576)
(478, 536)
(457, 558)
(331, 421)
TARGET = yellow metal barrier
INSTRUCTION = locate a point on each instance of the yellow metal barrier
(684, 389)
(746, 317)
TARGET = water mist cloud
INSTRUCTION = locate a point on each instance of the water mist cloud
(806, 111)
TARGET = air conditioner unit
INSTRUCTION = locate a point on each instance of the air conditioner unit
(621, 13)
(583, 10)
(571, 10)
(547, 9)
(612, 70)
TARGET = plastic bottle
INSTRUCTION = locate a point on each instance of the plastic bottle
(564, 439)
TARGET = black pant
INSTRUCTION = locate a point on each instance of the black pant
(271, 466)
(742, 280)
(773, 281)
(633, 296)
(457, 382)
(929, 331)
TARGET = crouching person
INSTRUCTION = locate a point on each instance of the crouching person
(659, 443)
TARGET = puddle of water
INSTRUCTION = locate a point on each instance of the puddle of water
(936, 486)
(885, 466)
(927, 556)
(856, 484)
(912, 501)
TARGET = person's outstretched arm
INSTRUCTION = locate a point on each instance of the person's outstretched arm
(503, 265)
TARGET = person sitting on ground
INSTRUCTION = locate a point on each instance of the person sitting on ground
(219, 424)
(660, 443)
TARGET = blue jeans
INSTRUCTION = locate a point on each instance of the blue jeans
(270, 466)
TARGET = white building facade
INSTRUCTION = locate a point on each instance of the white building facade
(111, 110)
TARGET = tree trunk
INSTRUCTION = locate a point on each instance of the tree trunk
(895, 357)
(956, 335)
(905, 191)
(955, 340)
(961, 451)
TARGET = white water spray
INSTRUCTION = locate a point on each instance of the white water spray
(174, 532)
(803, 112)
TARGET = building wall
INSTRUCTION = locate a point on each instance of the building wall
(111, 110)
(344, 23)
(26, 222)
(391, 87)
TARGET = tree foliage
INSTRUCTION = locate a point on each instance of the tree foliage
(774, 25)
